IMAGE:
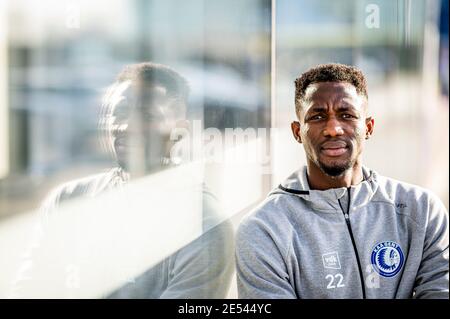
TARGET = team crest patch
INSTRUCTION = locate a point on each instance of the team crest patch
(387, 258)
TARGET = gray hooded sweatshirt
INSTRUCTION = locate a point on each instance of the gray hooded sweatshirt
(379, 239)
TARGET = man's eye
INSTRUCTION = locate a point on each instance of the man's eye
(348, 116)
(121, 114)
(316, 117)
(152, 114)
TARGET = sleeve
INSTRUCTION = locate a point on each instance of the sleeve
(203, 269)
(23, 284)
(261, 269)
(432, 279)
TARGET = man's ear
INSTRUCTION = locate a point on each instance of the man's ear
(295, 127)
(369, 127)
(183, 124)
(180, 131)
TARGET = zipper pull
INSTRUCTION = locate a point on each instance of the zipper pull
(346, 216)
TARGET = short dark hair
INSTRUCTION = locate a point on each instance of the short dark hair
(154, 73)
(147, 73)
(331, 72)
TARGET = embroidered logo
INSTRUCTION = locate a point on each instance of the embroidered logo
(331, 260)
(387, 258)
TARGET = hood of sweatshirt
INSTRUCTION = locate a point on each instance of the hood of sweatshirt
(328, 200)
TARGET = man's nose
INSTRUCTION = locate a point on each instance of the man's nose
(333, 128)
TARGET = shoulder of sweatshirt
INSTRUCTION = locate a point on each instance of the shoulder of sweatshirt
(85, 186)
(417, 202)
(270, 220)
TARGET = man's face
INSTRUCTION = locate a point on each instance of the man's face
(141, 120)
(333, 126)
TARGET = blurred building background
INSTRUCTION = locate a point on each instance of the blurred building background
(396, 44)
(241, 58)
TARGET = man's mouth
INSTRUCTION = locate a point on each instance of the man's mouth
(125, 145)
(334, 149)
(121, 142)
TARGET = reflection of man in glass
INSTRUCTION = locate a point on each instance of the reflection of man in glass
(139, 112)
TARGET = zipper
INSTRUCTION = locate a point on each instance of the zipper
(349, 228)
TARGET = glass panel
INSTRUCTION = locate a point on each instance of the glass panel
(130, 144)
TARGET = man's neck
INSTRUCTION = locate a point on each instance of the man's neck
(317, 179)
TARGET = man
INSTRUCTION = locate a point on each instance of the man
(335, 228)
(139, 112)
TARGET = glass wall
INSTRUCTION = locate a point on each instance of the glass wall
(130, 144)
